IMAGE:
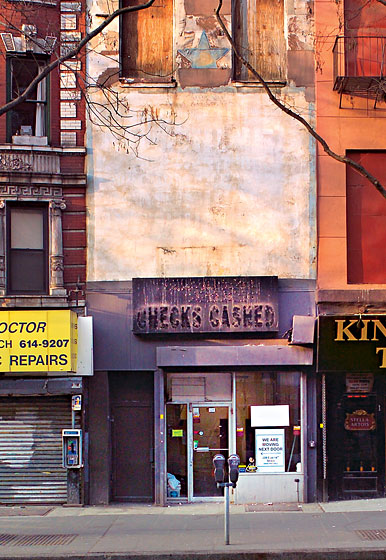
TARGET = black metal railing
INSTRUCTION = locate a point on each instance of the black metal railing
(359, 57)
(360, 66)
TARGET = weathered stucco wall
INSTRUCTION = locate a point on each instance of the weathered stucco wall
(226, 190)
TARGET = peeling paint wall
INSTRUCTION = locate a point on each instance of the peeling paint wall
(221, 184)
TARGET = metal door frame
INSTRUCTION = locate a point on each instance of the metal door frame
(231, 404)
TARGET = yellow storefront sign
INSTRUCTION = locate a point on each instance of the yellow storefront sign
(38, 341)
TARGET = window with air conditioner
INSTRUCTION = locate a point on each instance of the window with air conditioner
(27, 122)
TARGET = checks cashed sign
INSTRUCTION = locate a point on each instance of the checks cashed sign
(205, 305)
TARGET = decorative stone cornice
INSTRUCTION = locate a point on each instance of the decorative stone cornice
(11, 162)
(31, 191)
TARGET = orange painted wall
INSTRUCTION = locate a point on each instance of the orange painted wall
(356, 126)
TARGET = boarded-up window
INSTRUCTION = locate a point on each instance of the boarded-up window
(147, 41)
(259, 32)
(365, 45)
(366, 221)
(364, 18)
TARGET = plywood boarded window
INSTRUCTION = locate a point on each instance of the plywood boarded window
(147, 42)
(366, 219)
(258, 27)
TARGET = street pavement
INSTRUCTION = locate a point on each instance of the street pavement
(351, 530)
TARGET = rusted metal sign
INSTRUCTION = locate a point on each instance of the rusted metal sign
(205, 304)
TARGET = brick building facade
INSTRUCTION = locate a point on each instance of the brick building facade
(42, 237)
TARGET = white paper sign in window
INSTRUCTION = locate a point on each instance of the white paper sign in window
(270, 450)
(270, 415)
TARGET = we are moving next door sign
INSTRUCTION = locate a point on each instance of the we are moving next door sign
(270, 450)
(270, 442)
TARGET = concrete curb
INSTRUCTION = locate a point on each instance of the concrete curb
(323, 554)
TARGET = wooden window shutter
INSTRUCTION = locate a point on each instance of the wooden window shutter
(259, 32)
(147, 42)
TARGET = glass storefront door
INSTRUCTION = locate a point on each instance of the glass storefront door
(195, 434)
(210, 436)
(177, 438)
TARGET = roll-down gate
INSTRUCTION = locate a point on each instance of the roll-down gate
(31, 450)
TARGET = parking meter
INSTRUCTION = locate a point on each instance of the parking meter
(233, 463)
(219, 468)
(219, 476)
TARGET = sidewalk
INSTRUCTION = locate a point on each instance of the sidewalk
(354, 530)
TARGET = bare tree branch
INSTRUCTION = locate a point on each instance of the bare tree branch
(343, 159)
(73, 52)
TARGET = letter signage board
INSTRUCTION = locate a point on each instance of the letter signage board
(352, 343)
(270, 450)
(38, 341)
(205, 305)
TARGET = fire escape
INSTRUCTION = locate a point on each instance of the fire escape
(359, 67)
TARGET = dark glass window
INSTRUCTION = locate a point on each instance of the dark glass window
(27, 249)
(262, 389)
(29, 117)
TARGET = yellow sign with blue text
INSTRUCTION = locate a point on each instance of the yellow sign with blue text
(38, 341)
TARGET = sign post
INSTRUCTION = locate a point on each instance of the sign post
(226, 518)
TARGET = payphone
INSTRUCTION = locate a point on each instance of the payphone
(72, 449)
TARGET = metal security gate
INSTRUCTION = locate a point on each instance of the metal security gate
(31, 449)
(132, 430)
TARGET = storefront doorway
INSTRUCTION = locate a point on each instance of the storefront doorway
(355, 436)
(196, 432)
(132, 436)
